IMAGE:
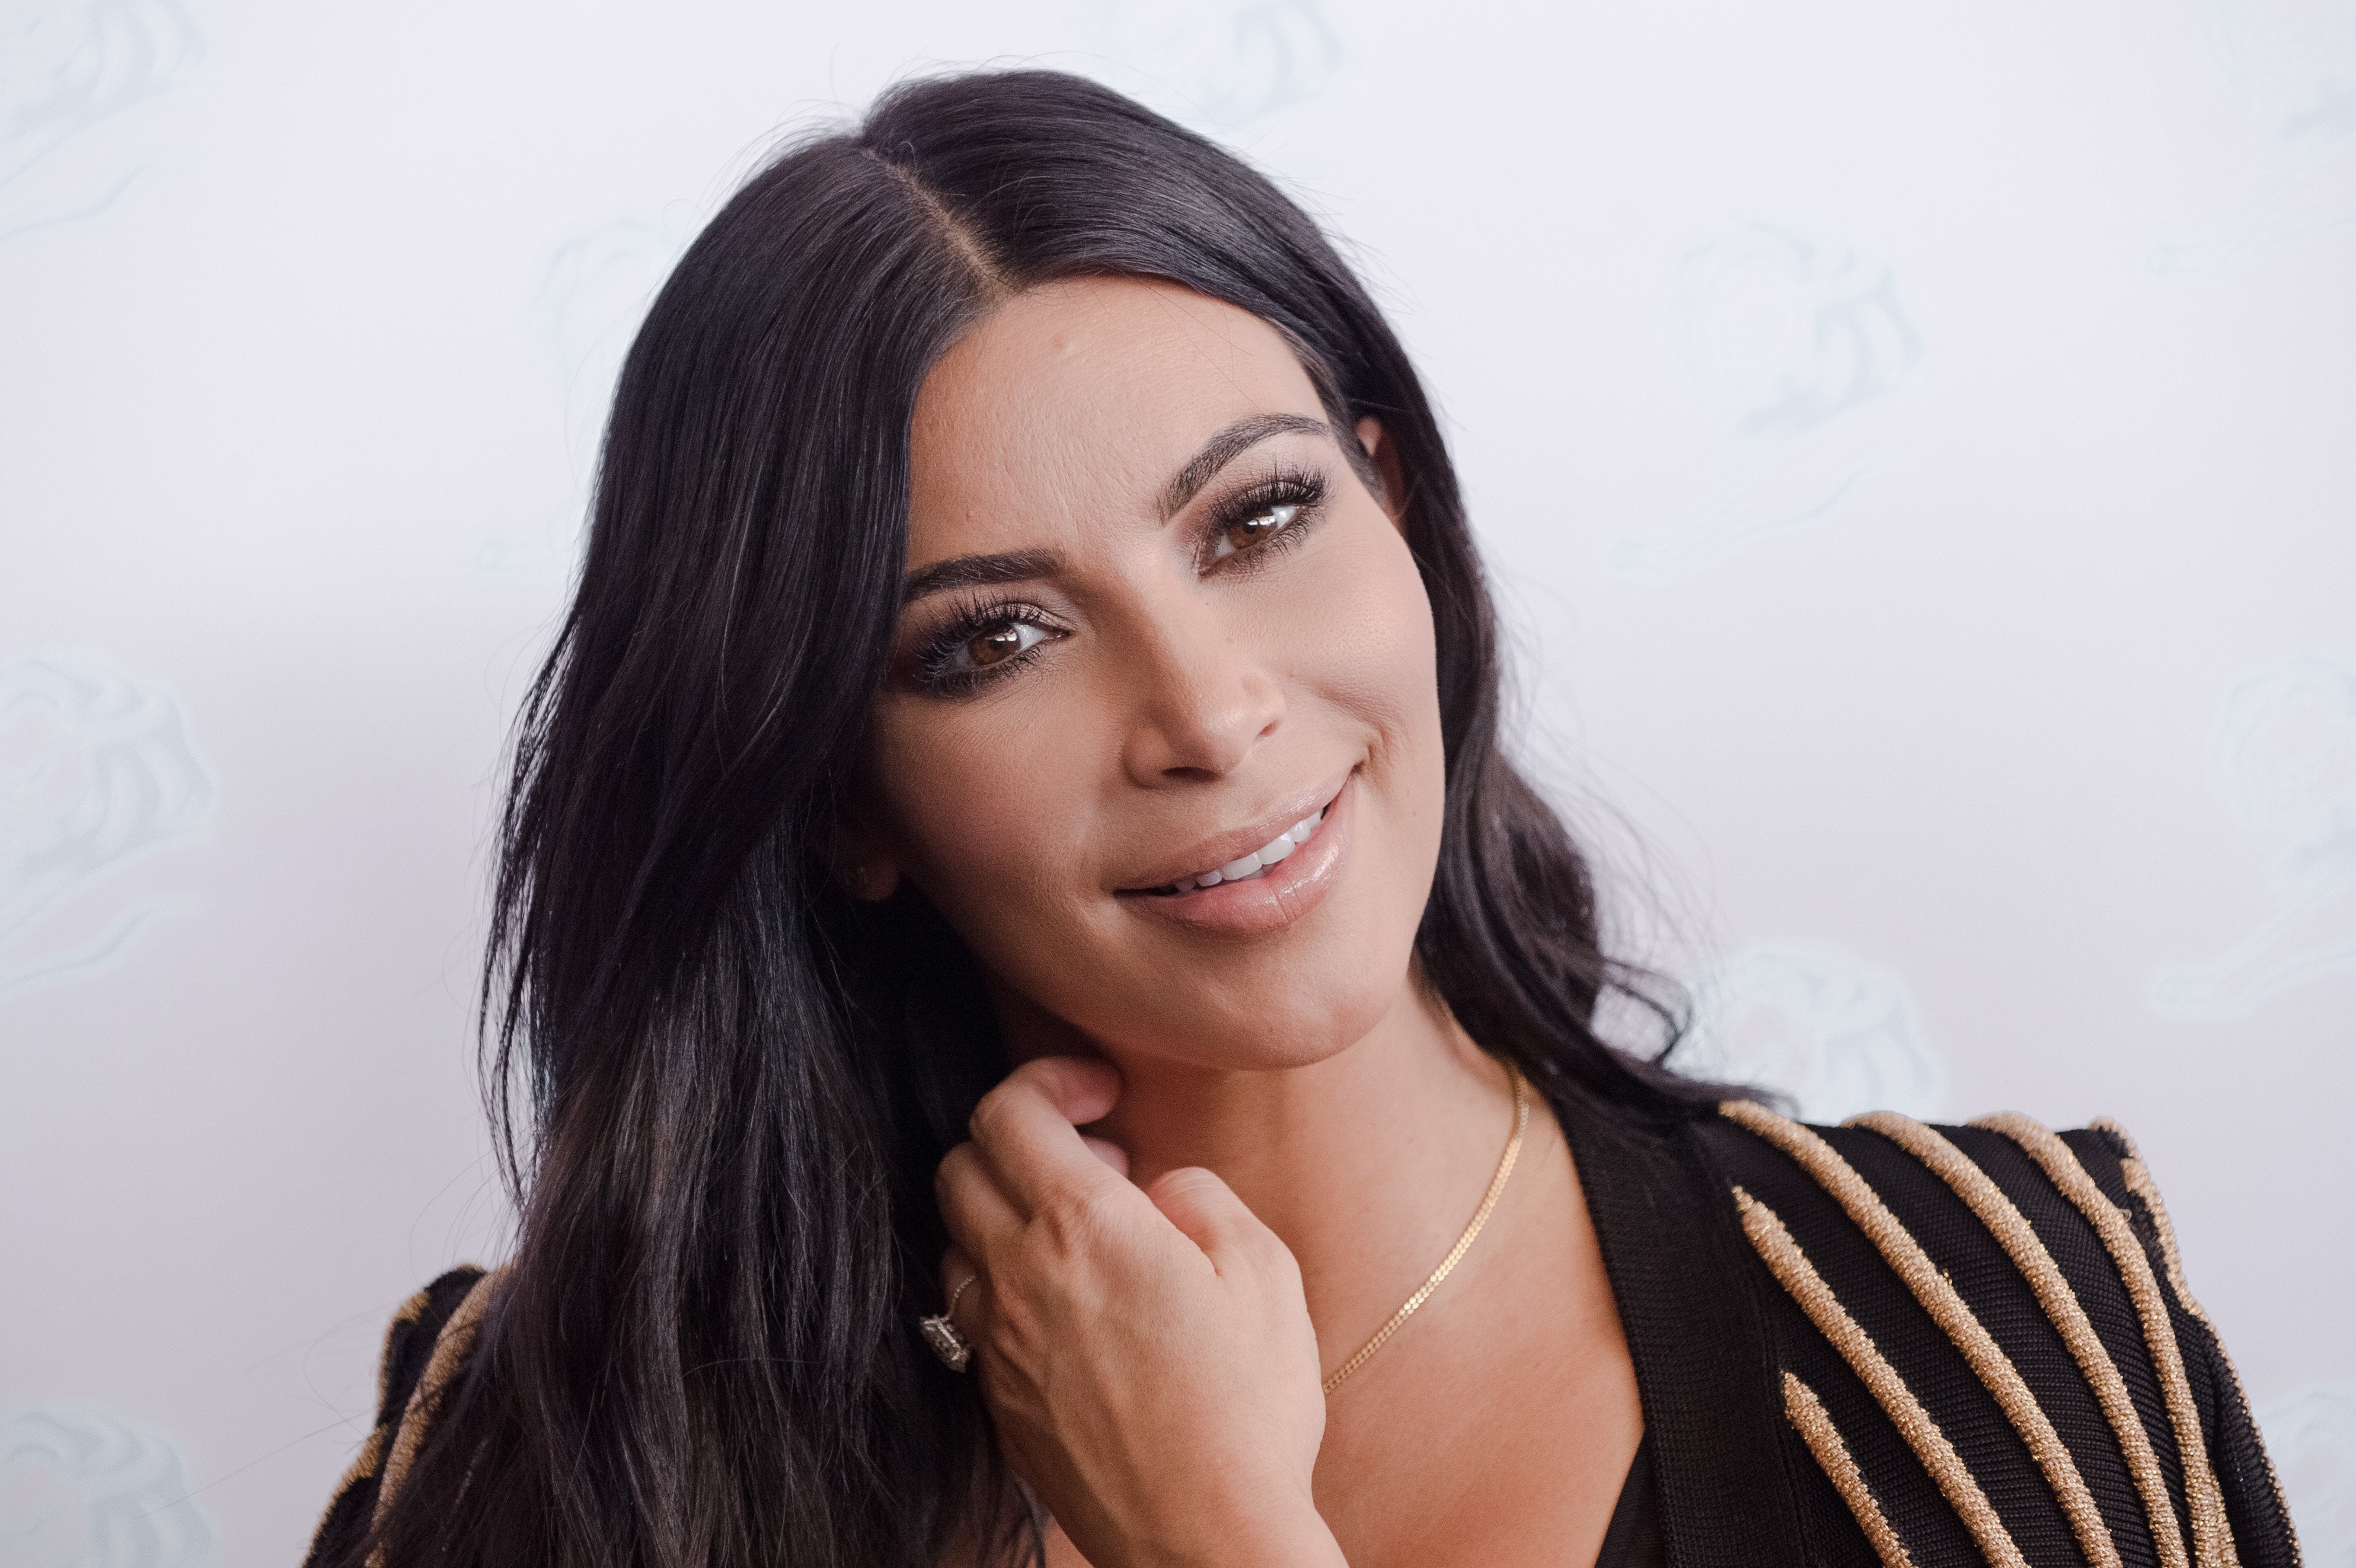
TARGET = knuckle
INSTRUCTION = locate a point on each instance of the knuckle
(1078, 1217)
(953, 1168)
(1271, 1253)
(1097, 1206)
(990, 1116)
(1192, 1181)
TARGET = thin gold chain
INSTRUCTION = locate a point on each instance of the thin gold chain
(1463, 1243)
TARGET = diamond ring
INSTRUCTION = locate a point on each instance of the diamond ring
(942, 1333)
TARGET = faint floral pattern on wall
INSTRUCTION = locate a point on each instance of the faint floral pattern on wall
(2283, 758)
(593, 293)
(84, 1486)
(2290, 69)
(1819, 1024)
(96, 774)
(70, 73)
(1225, 66)
(2311, 1437)
(1796, 344)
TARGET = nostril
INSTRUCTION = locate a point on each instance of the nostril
(1190, 731)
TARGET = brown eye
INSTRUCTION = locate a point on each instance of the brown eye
(985, 642)
(1246, 532)
(1002, 643)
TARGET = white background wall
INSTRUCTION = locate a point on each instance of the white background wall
(1916, 443)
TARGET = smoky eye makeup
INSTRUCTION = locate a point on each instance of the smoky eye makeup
(1249, 527)
(980, 638)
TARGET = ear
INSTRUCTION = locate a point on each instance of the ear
(863, 867)
(1383, 454)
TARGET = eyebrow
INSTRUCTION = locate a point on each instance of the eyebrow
(1027, 565)
(1225, 447)
(975, 570)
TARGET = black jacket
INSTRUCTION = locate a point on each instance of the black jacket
(1885, 1342)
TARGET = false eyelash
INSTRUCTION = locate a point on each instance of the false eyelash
(1287, 487)
(971, 619)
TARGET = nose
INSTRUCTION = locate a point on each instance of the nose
(1203, 699)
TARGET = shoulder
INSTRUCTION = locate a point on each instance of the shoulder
(424, 1345)
(1987, 1344)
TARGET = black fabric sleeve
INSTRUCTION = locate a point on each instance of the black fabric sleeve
(2253, 1500)
(1993, 1284)
(341, 1539)
(2237, 1455)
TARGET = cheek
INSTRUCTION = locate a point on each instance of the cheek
(1371, 653)
(1381, 669)
(983, 819)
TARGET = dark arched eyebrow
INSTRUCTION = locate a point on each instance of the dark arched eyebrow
(1225, 447)
(975, 570)
(1026, 565)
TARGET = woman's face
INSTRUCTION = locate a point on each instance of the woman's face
(1155, 624)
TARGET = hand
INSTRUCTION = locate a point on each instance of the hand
(1146, 1354)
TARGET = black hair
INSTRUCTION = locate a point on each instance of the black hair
(736, 1079)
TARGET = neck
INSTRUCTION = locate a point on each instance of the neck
(1367, 1164)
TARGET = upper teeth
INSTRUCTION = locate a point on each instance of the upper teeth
(1260, 859)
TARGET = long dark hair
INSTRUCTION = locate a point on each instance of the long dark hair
(738, 1080)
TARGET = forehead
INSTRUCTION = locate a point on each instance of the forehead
(1079, 398)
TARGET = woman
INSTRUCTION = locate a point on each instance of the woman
(1031, 673)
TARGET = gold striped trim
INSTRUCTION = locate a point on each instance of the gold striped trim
(2213, 1534)
(411, 1311)
(450, 1347)
(362, 1466)
(2137, 1176)
(1948, 1309)
(1801, 1281)
(1824, 1440)
(2013, 1233)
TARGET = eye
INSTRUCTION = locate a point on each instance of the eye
(980, 643)
(997, 644)
(1244, 532)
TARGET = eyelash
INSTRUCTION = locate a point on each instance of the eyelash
(973, 619)
(1287, 487)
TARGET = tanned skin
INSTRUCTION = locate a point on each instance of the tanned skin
(1114, 662)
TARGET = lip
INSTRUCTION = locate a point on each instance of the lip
(1236, 843)
(1278, 897)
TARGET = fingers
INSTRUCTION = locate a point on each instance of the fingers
(1210, 1214)
(960, 1287)
(976, 1212)
(1080, 1088)
(1027, 1130)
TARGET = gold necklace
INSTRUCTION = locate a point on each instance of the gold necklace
(1463, 1243)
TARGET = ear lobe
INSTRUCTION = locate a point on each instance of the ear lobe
(1383, 453)
(871, 881)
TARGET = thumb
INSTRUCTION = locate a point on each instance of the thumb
(1208, 1211)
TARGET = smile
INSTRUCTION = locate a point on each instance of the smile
(1253, 865)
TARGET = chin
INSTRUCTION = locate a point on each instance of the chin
(1293, 1018)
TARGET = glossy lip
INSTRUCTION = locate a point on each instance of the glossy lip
(1237, 843)
(1289, 890)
